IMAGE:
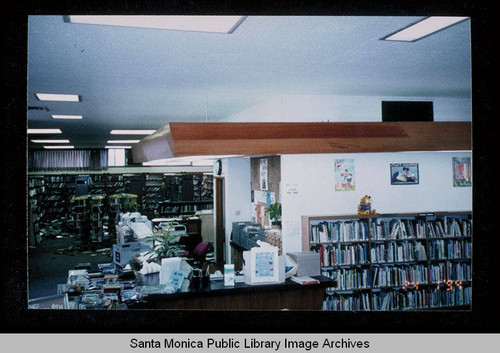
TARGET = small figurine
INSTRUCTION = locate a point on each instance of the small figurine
(365, 205)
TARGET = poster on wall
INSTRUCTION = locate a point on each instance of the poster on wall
(462, 175)
(344, 175)
(263, 174)
(404, 173)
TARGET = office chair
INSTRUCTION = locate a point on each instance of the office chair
(189, 242)
(200, 253)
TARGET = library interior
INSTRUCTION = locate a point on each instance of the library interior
(249, 163)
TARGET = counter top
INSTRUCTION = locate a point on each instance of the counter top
(284, 295)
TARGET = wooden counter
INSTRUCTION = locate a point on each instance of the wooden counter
(287, 295)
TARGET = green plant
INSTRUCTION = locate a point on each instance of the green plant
(274, 211)
(165, 245)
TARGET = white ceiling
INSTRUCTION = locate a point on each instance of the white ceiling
(144, 78)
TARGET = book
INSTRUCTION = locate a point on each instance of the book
(304, 280)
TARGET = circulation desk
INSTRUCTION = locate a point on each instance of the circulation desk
(287, 295)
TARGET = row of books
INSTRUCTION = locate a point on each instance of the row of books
(388, 276)
(399, 276)
(455, 271)
(350, 278)
(413, 299)
(449, 227)
(343, 254)
(381, 301)
(454, 296)
(57, 185)
(398, 229)
(339, 231)
(400, 300)
(357, 230)
(450, 249)
(398, 252)
(343, 302)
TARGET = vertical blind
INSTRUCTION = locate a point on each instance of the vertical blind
(90, 159)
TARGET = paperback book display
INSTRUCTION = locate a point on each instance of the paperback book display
(394, 262)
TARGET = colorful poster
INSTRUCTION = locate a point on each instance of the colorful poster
(404, 173)
(462, 172)
(344, 175)
(263, 174)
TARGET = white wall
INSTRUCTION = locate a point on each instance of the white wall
(312, 176)
(303, 108)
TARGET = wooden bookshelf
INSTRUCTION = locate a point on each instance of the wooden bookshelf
(382, 262)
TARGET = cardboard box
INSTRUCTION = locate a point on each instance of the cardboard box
(309, 263)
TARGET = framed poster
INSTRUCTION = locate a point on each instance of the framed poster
(404, 173)
(462, 172)
(344, 175)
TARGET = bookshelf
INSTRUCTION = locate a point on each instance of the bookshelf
(387, 262)
(153, 194)
(52, 197)
(36, 189)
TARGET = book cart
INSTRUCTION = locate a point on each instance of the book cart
(383, 262)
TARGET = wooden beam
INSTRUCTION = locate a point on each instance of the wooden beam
(191, 139)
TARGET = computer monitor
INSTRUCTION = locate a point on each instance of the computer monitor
(262, 265)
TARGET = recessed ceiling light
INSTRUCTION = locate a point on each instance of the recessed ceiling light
(424, 28)
(51, 141)
(67, 117)
(123, 141)
(58, 97)
(44, 131)
(120, 147)
(131, 132)
(59, 147)
(214, 24)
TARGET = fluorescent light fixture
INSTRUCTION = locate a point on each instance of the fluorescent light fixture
(53, 147)
(120, 147)
(131, 132)
(123, 141)
(44, 131)
(75, 117)
(51, 141)
(424, 28)
(213, 24)
(58, 97)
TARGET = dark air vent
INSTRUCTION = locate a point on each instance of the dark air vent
(407, 111)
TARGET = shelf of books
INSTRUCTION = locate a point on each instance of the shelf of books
(388, 262)
(153, 194)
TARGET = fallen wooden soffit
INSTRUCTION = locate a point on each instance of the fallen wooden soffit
(196, 139)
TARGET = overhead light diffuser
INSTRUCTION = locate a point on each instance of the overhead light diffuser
(214, 24)
(44, 131)
(119, 147)
(131, 132)
(424, 28)
(58, 97)
(74, 117)
(123, 141)
(53, 147)
(51, 141)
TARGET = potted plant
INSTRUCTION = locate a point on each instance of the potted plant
(274, 212)
(164, 245)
